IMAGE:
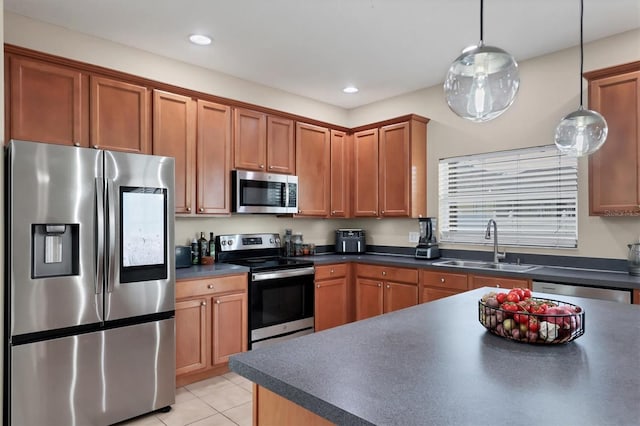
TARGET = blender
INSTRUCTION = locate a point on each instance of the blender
(427, 244)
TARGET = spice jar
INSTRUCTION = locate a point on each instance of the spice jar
(297, 244)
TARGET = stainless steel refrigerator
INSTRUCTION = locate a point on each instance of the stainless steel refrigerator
(90, 285)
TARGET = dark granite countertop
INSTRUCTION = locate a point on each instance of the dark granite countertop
(204, 271)
(435, 364)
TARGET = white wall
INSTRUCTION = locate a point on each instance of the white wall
(547, 93)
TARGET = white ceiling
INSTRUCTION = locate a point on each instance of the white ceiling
(314, 48)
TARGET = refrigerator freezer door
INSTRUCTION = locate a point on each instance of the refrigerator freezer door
(96, 378)
(140, 235)
(53, 256)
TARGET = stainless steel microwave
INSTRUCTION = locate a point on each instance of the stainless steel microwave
(256, 192)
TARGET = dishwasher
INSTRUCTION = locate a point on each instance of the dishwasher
(621, 296)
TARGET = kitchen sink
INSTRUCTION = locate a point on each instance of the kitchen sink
(476, 264)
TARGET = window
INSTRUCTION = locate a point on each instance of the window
(531, 193)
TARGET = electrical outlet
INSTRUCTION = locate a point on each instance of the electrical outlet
(414, 237)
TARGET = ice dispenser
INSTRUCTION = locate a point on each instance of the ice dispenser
(55, 250)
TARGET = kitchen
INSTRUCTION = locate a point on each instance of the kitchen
(550, 89)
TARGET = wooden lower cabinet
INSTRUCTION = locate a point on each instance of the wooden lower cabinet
(382, 289)
(211, 325)
(272, 409)
(636, 297)
(331, 296)
(436, 285)
(477, 281)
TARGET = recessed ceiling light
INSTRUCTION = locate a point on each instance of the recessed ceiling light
(200, 39)
(350, 89)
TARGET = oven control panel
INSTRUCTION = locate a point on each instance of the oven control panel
(235, 242)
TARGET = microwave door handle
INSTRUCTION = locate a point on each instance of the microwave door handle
(99, 234)
(344, 246)
(111, 235)
(286, 194)
(358, 246)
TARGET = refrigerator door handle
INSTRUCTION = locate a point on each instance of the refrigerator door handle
(111, 235)
(99, 234)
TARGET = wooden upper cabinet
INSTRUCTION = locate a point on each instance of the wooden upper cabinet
(47, 103)
(213, 158)
(614, 170)
(250, 139)
(262, 142)
(281, 154)
(340, 177)
(365, 173)
(174, 134)
(312, 162)
(120, 116)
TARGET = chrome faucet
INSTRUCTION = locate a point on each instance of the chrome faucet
(497, 256)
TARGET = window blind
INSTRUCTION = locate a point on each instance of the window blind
(531, 193)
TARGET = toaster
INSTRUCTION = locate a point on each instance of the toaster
(350, 241)
(183, 256)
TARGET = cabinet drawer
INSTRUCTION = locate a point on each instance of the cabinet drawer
(224, 284)
(388, 273)
(477, 281)
(337, 270)
(443, 279)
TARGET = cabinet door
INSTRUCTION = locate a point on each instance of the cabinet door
(281, 154)
(48, 103)
(614, 170)
(229, 326)
(191, 335)
(365, 173)
(340, 181)
(478, 281)
(213, 142)
(120, 116)
(312, 163)
(330, 303)
(369, 298)
(174, 136)
(399, 296)
(394, 170)
(249, 139)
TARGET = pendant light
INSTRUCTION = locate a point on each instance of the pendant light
(583, 131)
(482, 82)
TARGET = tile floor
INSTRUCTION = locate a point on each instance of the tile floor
(219, 401)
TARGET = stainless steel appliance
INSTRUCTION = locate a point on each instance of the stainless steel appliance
(428, 243)
(350, 241)
(255, 192)
(90, 289)
(281, 292)
(634, 259)
(621, 296)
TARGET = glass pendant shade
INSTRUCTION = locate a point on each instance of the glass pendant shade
(482, 83)
(581, 133)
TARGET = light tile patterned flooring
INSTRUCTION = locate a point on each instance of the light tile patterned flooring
(219, 401)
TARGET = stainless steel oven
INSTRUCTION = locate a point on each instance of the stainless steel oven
(281, 292)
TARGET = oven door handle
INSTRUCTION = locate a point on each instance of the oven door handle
(286, 273)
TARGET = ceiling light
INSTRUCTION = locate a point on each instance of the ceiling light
(482, 82)
(583, 131)
(200, 39)
(350, 89)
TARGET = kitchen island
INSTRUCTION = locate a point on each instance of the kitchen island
(435, 364)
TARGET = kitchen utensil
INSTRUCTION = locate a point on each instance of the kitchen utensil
(634, 259)
(427, 244)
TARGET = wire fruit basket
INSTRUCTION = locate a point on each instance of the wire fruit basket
(533, 320)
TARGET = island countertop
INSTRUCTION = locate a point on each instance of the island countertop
(435, 364)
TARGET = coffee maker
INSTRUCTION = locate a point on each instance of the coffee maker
(428, 244)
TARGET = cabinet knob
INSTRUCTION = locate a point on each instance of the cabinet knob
(95, 147)
(210, 286)
(441, 280)
(332, 271)
(498, 285)
(217, 302)
(188, 209)
(262, 166)
(201, 209)
(204, 303)
(333, 212)
(270, 167)
(384, 273)
(379, 284)
(318, 286)
(388, 286)
(76, 144)
(382, 212)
